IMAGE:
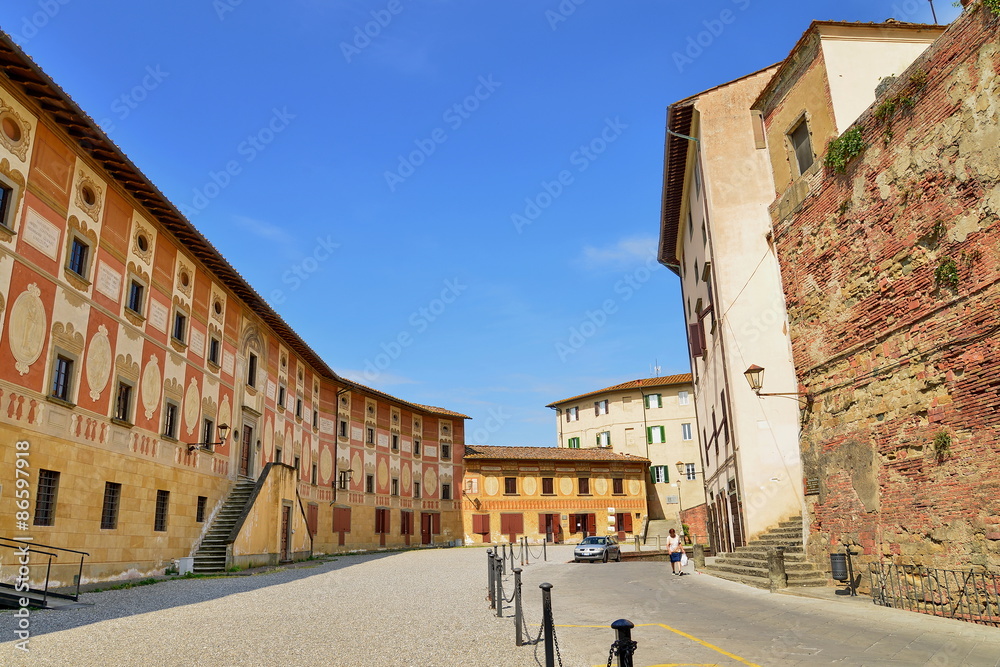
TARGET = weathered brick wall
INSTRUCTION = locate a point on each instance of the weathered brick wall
(895, 356)
(696, 519)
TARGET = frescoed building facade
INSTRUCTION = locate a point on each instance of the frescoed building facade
(551, 494)
(127, 343)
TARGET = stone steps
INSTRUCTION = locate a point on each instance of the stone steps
(748, 564)
(212, 552)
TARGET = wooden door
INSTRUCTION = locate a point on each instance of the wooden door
(245, 443)
(425, 528)
(286, 527)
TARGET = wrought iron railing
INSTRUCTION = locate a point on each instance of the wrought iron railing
(965, 595)
(18, 579)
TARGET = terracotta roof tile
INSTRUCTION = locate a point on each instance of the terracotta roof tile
(489, 452)
(646, 383)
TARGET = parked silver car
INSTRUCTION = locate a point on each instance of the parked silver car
(596, 548)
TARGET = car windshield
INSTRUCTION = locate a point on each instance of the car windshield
(594, 540)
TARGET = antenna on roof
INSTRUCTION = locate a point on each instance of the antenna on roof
(933, 13)
(656, 368)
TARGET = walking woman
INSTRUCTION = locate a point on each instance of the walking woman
(675, 550)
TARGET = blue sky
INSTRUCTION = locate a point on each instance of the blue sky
(453, 201)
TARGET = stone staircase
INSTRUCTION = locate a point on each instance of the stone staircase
(748, 564)
(211, 554)
(659, 528)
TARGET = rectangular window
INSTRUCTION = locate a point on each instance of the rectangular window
(445, 450)
(315, 474)
(180, 327)
(685, 431)
(252, 370)
(405, 522)
(369, 483)
(79, 253)
(298, 467)
(136, 293)
(683, 398)
(162, 506)
(62, 378)
(604, 439)
(416, 489)
(801, 144)
(394, 487)
(573, 443)
(281, 396)
(277, 454)
(45, 498)
(123, 402)
(395, 442)
(343, 428)
(600, 408)
(214, 350)
(655, 435)
(659, 474)
(548, 486)
(618, 486)
(416, 446)
(341, 519)
(481, 524)
(446, 492)
(6, 205)
(510, 485)
(298, 407)
(207, 431)
(370, 435)
(315, 417)
(572, 414)
(109, 512)
(689, 471)
(584, 486)
(170, 413)
(653, 401)
(200, 511)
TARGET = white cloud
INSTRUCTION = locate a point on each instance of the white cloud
(626, 252)
(375, 379)
(268, 232)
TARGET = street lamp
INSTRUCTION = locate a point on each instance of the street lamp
(223, 431)
(755, 377)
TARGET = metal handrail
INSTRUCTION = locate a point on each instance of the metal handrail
(32, 547)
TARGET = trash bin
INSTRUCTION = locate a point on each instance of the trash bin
(185, 565)
(838, 563)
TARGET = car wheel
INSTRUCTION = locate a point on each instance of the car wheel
(619, 558)
(576, 560)
(605, 559)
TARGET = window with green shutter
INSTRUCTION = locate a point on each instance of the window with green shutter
(655, 435)
(653, 401)
(574, 443)
(659, 474)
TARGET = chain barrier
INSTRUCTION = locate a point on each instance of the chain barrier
(618, 645)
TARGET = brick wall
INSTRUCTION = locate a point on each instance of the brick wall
(897, 358)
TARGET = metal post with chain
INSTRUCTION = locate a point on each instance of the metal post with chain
(623, 646)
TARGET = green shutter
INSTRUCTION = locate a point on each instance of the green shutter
(645, 400)
(649, 435)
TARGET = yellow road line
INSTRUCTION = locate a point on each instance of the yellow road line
(675, 631)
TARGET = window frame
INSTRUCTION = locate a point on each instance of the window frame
(170, 424)
(687, 433)
(46, 497)
(573, 443)
(135, 299)
(604, 439)
(601, 408)
(510, 486)
(446, 492)
(663, 477)
(207, 430)
(111, 505)
(214, 351)
(583, 486)
(200, 509)
(656, 430)
(649, 401)
(68, 384)
(548, 486)
(802, 123)
(369, 483)
(617, 486)
(573, 414)
(73, 258)
(162, 511)
(251, 379)
(8, 195)
(124, 414)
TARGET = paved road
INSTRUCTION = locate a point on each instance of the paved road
(427, 608)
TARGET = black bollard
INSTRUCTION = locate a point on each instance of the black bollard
(491, 573)
(527, 557)
(624, 646)
(498, 577)
(547, 625)
(545, 553)
(511, 557)
(518, 615)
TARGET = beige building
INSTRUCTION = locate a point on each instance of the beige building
(551, 494)
(722, 171)
(653, 418)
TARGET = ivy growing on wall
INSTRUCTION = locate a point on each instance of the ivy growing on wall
(843, 149)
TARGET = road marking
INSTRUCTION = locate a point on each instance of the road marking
(675, 631)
